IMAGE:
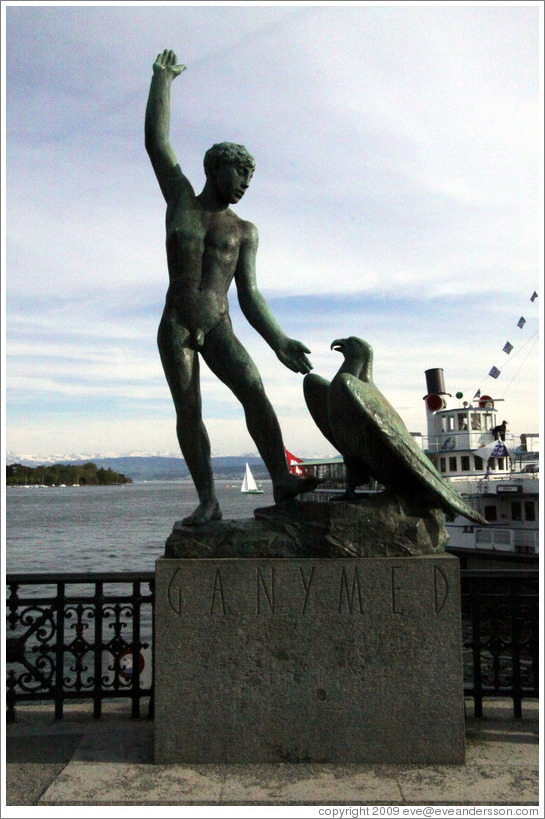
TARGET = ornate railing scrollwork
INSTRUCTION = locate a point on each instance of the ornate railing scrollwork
(500, 615)
(65, 645)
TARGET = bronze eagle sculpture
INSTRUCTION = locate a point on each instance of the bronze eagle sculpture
(362, 425)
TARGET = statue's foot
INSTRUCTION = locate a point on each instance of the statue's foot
(291, 485)
(204, 513)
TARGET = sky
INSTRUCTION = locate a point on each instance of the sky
(398, 197)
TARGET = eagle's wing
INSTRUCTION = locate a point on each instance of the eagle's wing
(385, 424)
(316, 389)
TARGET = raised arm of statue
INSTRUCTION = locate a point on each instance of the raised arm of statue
(252, 303)
(157, 124)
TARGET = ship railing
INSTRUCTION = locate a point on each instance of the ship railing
(482, 483)
(449, 441)
(476, 485)
(502, 540)
(527, 540)
(79, 637)
(524, 541)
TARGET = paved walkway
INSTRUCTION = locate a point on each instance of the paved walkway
(81, 761)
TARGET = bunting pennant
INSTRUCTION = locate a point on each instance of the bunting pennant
(507, 348)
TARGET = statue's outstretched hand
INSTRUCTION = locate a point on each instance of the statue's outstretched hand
(167, 62)
(292, 354)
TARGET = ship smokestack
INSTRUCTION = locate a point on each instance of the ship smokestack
(435, 382)
(436, 389)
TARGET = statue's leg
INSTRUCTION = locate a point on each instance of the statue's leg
(232, 364)
(181, 366)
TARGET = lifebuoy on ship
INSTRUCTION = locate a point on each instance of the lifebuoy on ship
(434, 402)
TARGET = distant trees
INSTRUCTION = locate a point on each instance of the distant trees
(63, 474)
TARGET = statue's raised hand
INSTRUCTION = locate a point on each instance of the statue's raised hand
(166, 62)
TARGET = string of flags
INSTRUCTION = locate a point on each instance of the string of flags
(495, 372)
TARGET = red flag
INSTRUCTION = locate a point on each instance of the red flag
(292, 463)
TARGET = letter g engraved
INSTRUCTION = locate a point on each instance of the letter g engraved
(174, 592)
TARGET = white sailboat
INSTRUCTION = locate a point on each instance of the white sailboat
(249, 485)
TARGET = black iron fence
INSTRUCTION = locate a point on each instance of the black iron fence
(500, 622)
(79, 637)
(90, 637)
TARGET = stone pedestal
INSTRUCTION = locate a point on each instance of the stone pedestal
(308, 660)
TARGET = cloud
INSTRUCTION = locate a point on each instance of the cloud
(96, 376)
(398, 150)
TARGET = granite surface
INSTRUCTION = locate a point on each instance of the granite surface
(308, 660)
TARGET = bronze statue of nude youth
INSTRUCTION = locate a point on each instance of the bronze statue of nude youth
(207, 246)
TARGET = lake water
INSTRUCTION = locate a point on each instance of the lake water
(106, 528)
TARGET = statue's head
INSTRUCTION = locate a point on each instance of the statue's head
(227, 152)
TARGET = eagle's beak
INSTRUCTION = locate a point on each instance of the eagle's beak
(338, 345)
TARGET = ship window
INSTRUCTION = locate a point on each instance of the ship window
(529, 510)
(516, 510)
(487, 420)
(478, 462)
(452, 464)
(491, 463)
(462, 421)
(443, 464)
(475, 421)
(465, 463)
(501, 463)
(490, 513)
